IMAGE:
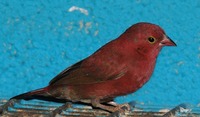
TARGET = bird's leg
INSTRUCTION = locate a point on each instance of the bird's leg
(119, 106)
(96, 103)
(4, 107)
(119, 109)
(115, 107)
(59, 109)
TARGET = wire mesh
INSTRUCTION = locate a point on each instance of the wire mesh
(38, 108)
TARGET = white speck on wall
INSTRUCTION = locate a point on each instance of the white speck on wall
(80, 25)
(88, 25)
(180, 63)
(82, 10)
(96, 33)
(176, 71)
(69, 26)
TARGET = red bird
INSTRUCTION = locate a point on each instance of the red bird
(118, 68)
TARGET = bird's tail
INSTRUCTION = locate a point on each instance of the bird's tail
(33, 94)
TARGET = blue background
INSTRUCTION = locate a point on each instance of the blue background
(38, 39)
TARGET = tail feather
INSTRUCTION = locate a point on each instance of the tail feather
(32, 94)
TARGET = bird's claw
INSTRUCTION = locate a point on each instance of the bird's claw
(120, 110)
(58, 110)
(125, 107)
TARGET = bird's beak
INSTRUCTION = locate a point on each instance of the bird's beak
(167, 42)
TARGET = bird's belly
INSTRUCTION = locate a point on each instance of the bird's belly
(108, 89)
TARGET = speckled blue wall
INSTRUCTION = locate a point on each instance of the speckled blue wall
(40, 39)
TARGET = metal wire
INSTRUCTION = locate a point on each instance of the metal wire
(37, 108)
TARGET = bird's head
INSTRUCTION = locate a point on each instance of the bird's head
(147, 38)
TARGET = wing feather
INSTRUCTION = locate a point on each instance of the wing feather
(102, 66)
(66, 72)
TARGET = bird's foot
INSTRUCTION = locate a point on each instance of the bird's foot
(120, 110)
(115, 109)
(60, 109)
(123, 107)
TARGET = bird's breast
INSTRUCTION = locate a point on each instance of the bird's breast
(137, 75)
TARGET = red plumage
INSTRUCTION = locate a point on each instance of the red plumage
(118, 68)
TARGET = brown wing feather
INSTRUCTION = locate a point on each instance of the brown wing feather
(102, 66)
(66, 72)
(77, 74)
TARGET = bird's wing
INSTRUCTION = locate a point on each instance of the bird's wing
(100, 67)
(78, 74)
(65, 72)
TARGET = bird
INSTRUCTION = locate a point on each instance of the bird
(120, 67)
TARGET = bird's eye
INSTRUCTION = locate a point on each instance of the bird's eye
(151, 40)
